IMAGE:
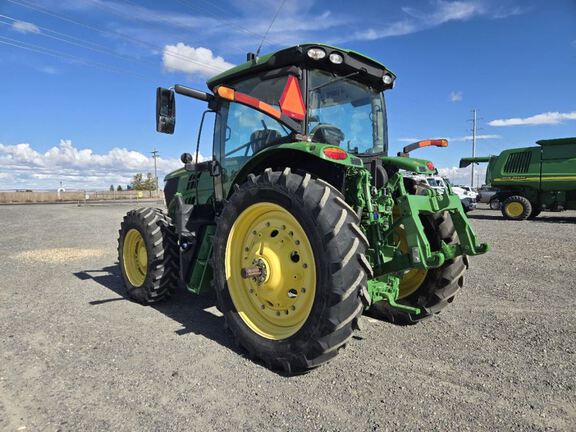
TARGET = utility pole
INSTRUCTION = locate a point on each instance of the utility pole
(155, 156)
(473, 145)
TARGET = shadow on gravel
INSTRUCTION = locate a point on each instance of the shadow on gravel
(540, 219)
(186, 308)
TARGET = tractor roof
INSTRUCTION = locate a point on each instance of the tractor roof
(557, 141)
(372, 70)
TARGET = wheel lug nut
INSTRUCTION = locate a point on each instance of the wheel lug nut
(262, 307)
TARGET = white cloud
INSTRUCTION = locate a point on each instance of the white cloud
(462, 175)
(49, 70)
(538, 119)
(445, 11)
(25, 27)
(478, 137)
(456, 96)
(22, 166)
(418, 20)
(193, 61)
(451, 139)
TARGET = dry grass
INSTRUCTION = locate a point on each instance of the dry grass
(58, 255)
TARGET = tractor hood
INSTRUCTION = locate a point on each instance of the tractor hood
(420, 166)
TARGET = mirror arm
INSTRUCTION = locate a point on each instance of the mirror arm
(193, 93)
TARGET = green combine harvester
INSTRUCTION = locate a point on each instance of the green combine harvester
(532, 179)
(299, 221)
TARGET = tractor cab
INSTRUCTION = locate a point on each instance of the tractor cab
(294, 98)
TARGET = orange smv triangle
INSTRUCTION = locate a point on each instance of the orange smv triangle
(291, 102)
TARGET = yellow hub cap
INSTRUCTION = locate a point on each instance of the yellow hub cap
(514, 209)
(413, 278)
(135, 257)
(277, 301)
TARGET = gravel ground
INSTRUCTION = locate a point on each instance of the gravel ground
(76, 355)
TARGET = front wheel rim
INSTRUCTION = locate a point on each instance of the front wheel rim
(276, 303)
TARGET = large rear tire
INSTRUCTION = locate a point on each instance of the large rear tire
(430, 290)
(304, 242)
(148, 255)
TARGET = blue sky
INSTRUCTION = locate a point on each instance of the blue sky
(79, 86)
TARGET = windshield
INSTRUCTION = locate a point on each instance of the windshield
(346, 113)
(435, 182)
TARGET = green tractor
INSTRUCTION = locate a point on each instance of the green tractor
(532, 179)
(299, 221)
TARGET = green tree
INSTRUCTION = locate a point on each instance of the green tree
(119, 188)
(111, 188)
(143, 184)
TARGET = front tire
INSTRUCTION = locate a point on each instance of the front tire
(304, 240)
(148, 255)
(430, 290)
(516, 207)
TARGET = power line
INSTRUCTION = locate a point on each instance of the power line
(218, 17)
(54, 53)
(46, 32)
(473, 145)
(114, 33)
(155, 156)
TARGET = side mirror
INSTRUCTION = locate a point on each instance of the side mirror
(165, 110)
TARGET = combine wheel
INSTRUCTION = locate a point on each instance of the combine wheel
(495, 204)
(516, 208)
(148, 255)
(291, 272)
(535, 213)
(430, 290)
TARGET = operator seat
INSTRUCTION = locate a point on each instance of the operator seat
(327, 134)
(262, 138)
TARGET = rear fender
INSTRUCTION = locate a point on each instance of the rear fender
(304, 156)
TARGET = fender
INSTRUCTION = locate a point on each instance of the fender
(299, 154)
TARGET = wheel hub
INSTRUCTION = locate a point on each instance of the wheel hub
(514, 209)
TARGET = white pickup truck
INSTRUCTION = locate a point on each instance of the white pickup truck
(467, 196)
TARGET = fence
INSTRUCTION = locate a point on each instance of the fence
(36, 197)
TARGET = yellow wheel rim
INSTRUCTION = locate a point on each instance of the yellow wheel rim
(135, 257)
(276, 303)
(514, 209)
(411, 279)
